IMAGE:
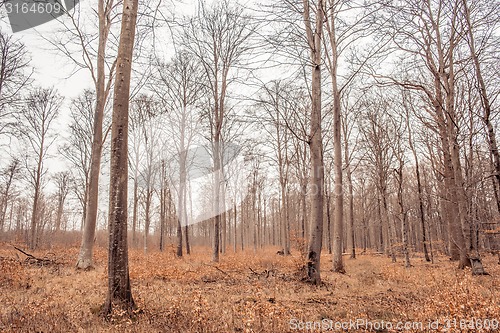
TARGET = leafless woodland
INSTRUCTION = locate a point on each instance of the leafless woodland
(316, 131)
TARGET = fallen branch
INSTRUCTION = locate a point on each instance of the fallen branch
(217, 268)
(266, 272)
(32, 260)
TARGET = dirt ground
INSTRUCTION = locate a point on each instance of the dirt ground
(247, 292)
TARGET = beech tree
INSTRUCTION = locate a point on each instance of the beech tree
(490, 19)
(430, 40)
(148, 125)
(421, 213)
(8, 175)
(218, 37)
(119, 290)
(378, 140)
(102, 88)
(78, 149)
(14, 77)
(179, 87)
(282, 102)
(314, 30)
(61, 180)
(36, 119)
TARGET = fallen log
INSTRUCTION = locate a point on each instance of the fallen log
(32, 260)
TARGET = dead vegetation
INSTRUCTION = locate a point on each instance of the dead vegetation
(245, 292)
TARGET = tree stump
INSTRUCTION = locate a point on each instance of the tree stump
(477, 266)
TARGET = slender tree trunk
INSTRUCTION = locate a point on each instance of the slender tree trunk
(147, 219)
(135, 211)
(351, 212)
(36, 198)
(484, 99)
(235, 235)
(402, 212)
(60, 208)
(186, 235)
(338, 192)
(419, 190)
(217, 218)
(119, 290)
(162, 206)
(223, 231)
(328, 219)
(179, 237)
(285, 236)
(459, 184)
(34, 211)
(85, 257)
(242, 225)
(12, 170)
(283, 179)
(315, 143)
(303, 205)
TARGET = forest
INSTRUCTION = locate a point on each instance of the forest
(246, 166)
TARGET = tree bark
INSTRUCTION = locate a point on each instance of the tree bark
(315, 143)
(85, 257)
(485, 101)
(119, 290)
(338, 228)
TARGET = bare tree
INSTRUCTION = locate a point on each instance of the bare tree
(14, 76)
(36, 118)
(179, 87)
(282, 102)
(77, 149)
(402, 212)
(491, 20)
(219, 38)
(411, 143)
(136, 155)
(378, 139)
(62, 180)
(148, 125)
(119, 290)
(429, 44)
(314, 39)
(102, 88)
(9, 174)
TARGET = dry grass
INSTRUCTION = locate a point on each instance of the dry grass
(245, 292)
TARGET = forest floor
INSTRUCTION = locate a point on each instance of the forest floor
(247, 292)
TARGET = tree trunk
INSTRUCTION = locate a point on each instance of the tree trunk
(484, 100)
(162, 206)
(12, 170)
(36, 198)
(217, 217)
(419, 190)
(402, 212)
(186, 235)
(135, 211)
(351, 234)
(85, 257)
(147, 219)
(34, 211)
(235, 235)
(338, 228)
(119, 291)
(328, 219)
(315, 143)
